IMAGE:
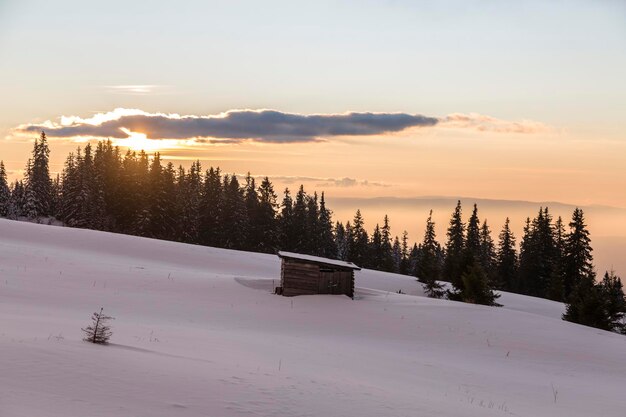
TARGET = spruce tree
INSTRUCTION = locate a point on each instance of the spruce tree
(107, 169)
(189, 186)
(455, 245)
(404, 264)
(69, 191)
(376, 249)
(556, 286)
(93, 189)
(587, 305)
(388, 260)
(16, 203)
(98, 331)
(154, 219)
(210, 204)
(537, 255)
(168, 199)
(578, 262)
(342, 239)
(266, 219)
(251, 198)
(55, 201)
(358, 244)
(328, 247)
(234, 220)
(5, 192)
(615, 302)
(487, 253)
(313, 246)
(506, 260)
(38, 182)
(414, 258)
(427, 267)
(300, 222)
(472, 241)
(129, 193)
(288, 232)
(476, 288)
(396, 251)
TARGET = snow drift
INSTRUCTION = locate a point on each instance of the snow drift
(198, 333)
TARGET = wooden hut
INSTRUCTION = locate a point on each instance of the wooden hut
(306, 275)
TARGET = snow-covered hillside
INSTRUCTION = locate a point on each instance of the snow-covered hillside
(198, 333)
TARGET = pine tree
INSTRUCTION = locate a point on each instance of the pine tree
(168, 200)
(476, 288)
(587, 305)
(455, 245)
(396, 251)
(129, 193)
(557, 279)
(93, 189)
(428, 267)
(615, 301)
(388, 260)
(266, 220)
(299, 223)
(210, 204)
(98, 331)
(55, 197)
(234, 220)
(527, 258)
(189, 189)
(288, 232)
(414, 259)
(537, 255)
(578, 261)
(70, 191)
(107, 163)
(328, 247)
(472, 241)
(487, 252)
(5, 192)
(154, 219)
(38, 183)
(16, 203)
(342, 237)
(251, 199)
(376, 249)
(313, 246)
(404, 264)
(506, 260)
(358, 244)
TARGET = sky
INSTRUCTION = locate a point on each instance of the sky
(488, 99)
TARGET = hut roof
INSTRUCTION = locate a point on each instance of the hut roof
(318, 260)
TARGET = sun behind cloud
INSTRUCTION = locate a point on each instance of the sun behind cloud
(138, 141)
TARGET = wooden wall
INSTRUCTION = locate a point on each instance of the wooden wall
(303, 278)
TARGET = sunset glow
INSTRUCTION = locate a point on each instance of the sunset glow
(139, 141)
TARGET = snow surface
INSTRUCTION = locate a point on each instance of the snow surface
(198, 333)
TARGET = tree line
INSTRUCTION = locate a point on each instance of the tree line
(103, 189)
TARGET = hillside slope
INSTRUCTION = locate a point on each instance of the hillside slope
(198, 333)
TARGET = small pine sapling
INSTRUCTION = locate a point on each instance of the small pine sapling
(98, 332)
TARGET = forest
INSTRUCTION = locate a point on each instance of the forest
(133, 193)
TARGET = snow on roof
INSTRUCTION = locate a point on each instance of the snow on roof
(318, 259)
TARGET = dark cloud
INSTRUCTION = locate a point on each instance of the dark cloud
(237, 125)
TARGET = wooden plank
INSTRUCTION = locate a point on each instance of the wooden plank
(290, 269)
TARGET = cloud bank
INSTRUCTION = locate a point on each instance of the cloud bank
(484, 123)
(234, 125)
(344, 182)
(271, 126)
